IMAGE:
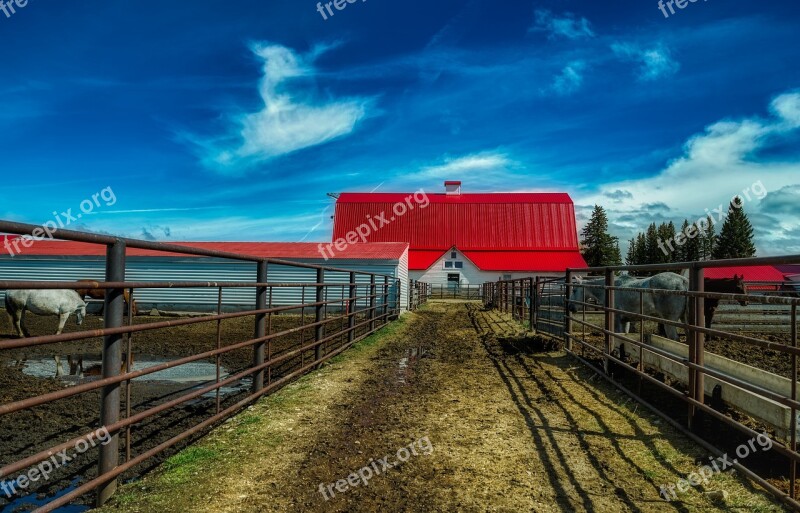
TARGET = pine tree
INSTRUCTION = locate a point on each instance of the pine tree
(599, 248)
(710, 240)
(653, 252)
(736, 236)
(630, 259)
(691, 248)
(641, 249)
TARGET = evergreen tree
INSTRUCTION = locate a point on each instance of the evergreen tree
(599, 248)
(736, 236)
(691, 248)
(653, 252)
(710, 239)
(630, 259)
(641, 249)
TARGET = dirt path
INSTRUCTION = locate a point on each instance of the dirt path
(486, 425)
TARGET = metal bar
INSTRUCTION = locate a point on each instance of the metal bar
(385, 297)
(217, 360)
(351, 307)
(128, 384)
(793, 421)
(567, 313)
(319, 331)
(259, 350)
(372, 291)
(114, 307)
(699, 338)
(610, 319)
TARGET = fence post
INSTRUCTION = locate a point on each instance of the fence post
(567, 315)
(261, 325)
(513, 299)
(351, 309)
(535, 303)
(531, 308)
(114, 308)
(319, 330)
(609, 339)
(696, 348)
(385, 300)
(372, 291)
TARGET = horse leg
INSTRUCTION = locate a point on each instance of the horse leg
(23, 332)
(671, 332)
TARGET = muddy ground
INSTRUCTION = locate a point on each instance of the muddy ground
(510, 428)
(30, 431)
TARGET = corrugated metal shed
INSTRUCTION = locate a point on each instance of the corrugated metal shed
(388, 259)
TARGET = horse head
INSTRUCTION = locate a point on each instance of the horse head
(741, 287)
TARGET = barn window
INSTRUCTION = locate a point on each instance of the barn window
(453, 254)
(448, 265)
(459, 265)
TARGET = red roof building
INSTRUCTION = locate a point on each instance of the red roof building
(480, 237)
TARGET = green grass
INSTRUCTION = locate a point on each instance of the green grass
(161, 489)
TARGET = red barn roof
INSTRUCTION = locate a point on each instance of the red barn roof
(503, 231)
(753, 273)
(277, 250)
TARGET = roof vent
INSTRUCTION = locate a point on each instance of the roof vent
(452, 188)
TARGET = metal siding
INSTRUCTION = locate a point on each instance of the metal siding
(197, 269)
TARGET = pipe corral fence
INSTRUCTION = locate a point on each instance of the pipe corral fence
(709, 384)
(455, 291)
(418, 294)
(338, 308)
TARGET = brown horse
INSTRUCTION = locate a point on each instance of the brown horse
(733, 285)
(101, 294)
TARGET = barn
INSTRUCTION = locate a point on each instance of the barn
(459, 239)
(69, 261)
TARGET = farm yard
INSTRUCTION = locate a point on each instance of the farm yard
(451, 256)
(511, 430)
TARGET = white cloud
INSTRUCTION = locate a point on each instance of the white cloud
(716, 165)
(653, 62)
(567, 25)
(570, 79)
(291, 119)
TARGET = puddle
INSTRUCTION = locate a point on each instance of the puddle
(33, 501)
(199, 372)
(405, 367)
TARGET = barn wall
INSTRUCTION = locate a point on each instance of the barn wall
(470, 274)
(197, 269)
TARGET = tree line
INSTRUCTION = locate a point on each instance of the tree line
(663, 243)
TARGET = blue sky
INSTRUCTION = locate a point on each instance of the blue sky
(231, 121)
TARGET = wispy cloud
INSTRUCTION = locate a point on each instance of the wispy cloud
(723, 161)
(566, 25)
(654, 62)
(570, 79)
(292, 117)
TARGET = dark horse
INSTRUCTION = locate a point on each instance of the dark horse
(733, 285)
(101, 294)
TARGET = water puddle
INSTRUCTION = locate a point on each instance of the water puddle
(33, 501)
(406, 365)
(87, 367)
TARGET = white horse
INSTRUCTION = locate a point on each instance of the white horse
(669, 307)
(44, 302)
